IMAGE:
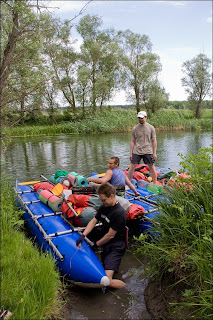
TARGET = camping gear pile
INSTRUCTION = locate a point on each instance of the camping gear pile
(78, 204)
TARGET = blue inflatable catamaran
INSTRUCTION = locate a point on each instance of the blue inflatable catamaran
(57, 226)
(54, 234)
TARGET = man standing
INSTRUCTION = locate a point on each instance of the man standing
(113, 243)
(143, 145)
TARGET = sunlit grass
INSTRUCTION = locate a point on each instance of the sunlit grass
(116, 120)
(183, 251)
(29, 280)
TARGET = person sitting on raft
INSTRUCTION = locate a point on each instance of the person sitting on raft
(115, 176)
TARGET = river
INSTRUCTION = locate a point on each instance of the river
(26, 158)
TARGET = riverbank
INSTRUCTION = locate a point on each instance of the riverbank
(115, 120)
(180, 258)
(30, 284)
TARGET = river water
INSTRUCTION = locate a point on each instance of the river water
(26, 158)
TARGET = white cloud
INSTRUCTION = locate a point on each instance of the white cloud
(170, 77)
(209, 20)
(173, 3)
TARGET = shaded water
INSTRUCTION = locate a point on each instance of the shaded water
(26, 158)
(125, 303)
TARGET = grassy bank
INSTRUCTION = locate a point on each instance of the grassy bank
(181, 256)
(29, 281)
(116, 120)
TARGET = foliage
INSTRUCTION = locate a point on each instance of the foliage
(107, 120)
(98, 61)
(197, 81)
(183, 249)
(192, 164)
(180, 119)
(25, 288)
(41, 67)
(22, 75)
(139, 65)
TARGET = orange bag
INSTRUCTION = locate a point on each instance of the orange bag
(135, 210)
(79, 200)
(43, 186)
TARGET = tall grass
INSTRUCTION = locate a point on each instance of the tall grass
(183, 252)
(181, 119)
(29, 280)
(116, 120)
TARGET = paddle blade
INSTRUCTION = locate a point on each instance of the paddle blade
(57, 190)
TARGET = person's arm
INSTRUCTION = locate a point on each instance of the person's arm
(128, 182)
(132, 144)
(106, 178)
(154, 144)
(87, 230)
(90, 226)
(107, 237)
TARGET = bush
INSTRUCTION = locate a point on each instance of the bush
(183, 251)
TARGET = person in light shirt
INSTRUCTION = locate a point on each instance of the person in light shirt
(143, 145)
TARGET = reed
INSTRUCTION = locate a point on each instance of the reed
(181, 119)
(115, 120)
(183, 250)
(29, 280)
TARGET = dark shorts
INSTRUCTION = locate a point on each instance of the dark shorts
(112, 254)
(147, 158)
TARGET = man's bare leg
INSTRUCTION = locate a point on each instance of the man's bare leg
(131, 170)
(153, 173)
(114, 283)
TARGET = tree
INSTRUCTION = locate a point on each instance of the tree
(62, 58)
(156, 96)
(22, 74)
(83, 85)
(99, 54)
(197, 81)
(139, 64)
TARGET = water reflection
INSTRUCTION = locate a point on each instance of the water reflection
(27, 158)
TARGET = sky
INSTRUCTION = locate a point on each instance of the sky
(178, 31)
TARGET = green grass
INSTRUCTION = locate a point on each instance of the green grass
(116, 120)
(30, 282)
(183, 252)
(181, 119)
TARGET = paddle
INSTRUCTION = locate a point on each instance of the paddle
(27, 183)
(58, 189)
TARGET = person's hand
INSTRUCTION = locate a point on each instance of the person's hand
(80, 240)
(130, 157)
(155, 156)
(137, 194)
(89, 179)
(95, 247)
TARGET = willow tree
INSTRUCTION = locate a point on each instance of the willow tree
(139, 65)
(197, 80)
(99, 55)
(22, 74)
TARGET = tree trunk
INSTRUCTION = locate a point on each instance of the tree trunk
(22, 111)
(93, 90)
(198, 108)
(8, 52)
(137, 98)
